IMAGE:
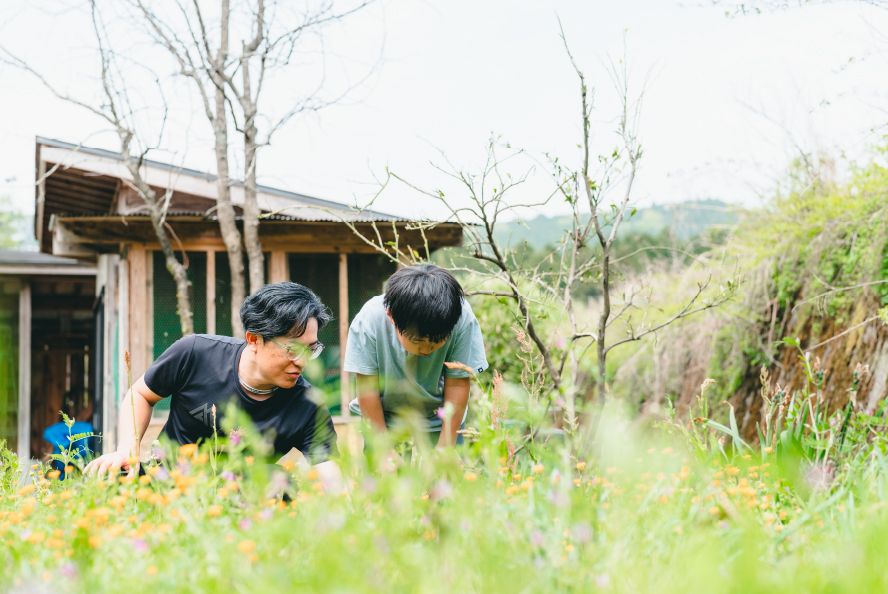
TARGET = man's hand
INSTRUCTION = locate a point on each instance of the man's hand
(111, 464)
(139, 401)
(330, 477)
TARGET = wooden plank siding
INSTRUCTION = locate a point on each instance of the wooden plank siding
(344, 320)
(137, 258)
(24, 373)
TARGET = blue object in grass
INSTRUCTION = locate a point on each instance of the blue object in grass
(58, 435)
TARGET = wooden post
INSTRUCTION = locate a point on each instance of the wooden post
(123, 340)
(211, 292)
(149, 307)
(24, 375)
(138, 309)
(109, 265)
(345, 396)
(277, 267)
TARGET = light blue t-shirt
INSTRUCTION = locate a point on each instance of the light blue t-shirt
(410, 381)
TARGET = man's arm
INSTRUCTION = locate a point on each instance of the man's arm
(370, 400)
(456, 393)
(139, 401)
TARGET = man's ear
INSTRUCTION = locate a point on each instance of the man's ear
(252, 339)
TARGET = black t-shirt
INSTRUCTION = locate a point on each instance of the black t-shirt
(200, 370)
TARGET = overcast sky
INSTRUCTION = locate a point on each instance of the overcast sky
(727, 101)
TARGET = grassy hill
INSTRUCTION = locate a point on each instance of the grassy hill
(685, 220)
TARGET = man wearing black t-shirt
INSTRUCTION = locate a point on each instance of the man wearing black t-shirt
(262, 375)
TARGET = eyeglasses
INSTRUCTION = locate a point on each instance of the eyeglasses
(298, 351)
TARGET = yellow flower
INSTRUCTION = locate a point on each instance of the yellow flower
(470, 476)
(538, 469)
(581, 466)
(247, 547)
(214, 511)
(36, 537)
(188, 450)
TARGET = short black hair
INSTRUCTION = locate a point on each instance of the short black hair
(425, 301)
(282, 309)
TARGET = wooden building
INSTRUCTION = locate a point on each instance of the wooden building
(88, 218)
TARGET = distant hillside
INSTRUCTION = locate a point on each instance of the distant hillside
(685, 220)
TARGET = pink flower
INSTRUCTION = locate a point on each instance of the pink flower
(140, 545)
(68, 570)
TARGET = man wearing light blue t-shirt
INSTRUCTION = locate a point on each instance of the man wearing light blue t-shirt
(398, 345)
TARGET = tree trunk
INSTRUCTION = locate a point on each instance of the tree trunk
(602, 324)
(177, 270)
(252, 242)
(224, 209)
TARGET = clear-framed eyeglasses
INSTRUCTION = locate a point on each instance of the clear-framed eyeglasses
(296, 351)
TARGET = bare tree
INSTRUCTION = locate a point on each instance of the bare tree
(269, 49)
(230, 84)
(205, 65)
(117, 109)
(584, 256)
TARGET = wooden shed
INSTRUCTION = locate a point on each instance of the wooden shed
(46, 341)
(88, 213)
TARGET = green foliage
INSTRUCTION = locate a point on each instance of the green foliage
(729, 364)
(16, 232)
(675, 507)
(499, 322)
(823, 249)
(9, 470)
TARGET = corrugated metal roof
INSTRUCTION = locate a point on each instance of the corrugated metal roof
(356, 217)
(304, 207)
(14, 257)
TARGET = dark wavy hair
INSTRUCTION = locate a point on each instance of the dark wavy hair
(425, 302)
(282, 309)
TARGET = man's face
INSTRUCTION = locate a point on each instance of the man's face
(282, 359)
(421, 347)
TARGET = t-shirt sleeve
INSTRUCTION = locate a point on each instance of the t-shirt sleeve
(360, 351)
(467, 347)
(317, 441)
(169, 372)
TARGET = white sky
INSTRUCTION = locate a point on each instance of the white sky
(726, 99)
